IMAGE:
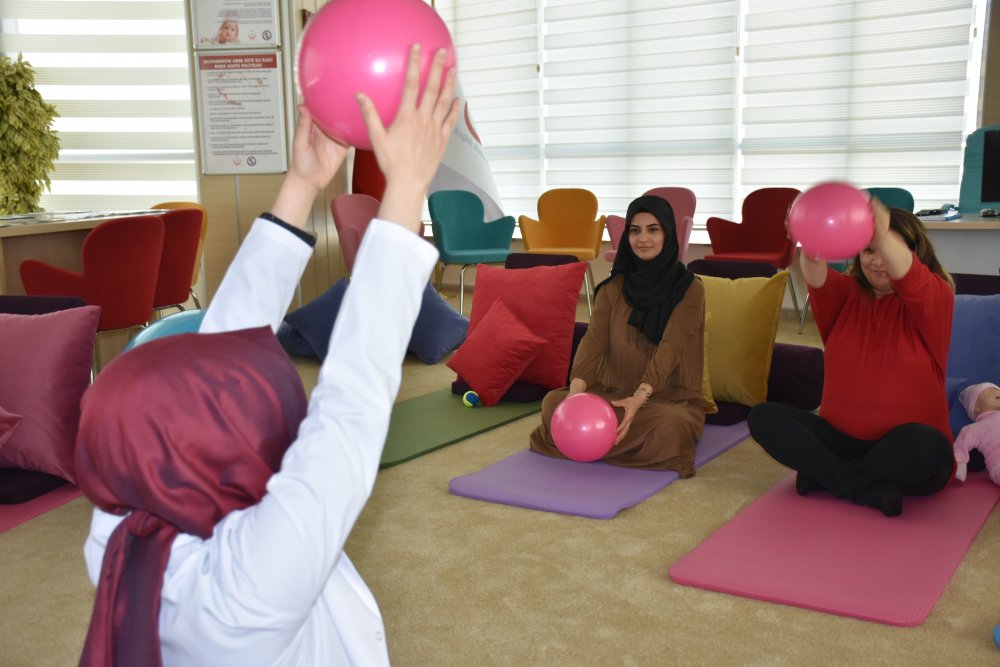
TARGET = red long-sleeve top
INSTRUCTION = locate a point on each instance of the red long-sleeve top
(885, 358)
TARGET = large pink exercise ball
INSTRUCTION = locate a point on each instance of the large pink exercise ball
(584, 427)
(831, 220)
(352, 46)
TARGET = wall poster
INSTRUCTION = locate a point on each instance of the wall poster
(235, 24)
(242, 116)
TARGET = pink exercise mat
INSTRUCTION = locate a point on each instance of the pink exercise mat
(826, 554)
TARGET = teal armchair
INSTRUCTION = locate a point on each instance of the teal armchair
(893, 197)
(463, 237)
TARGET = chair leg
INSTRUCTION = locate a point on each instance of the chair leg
(197, 303)
(588, 287)
(805, 311)
(799, 315)
(440, 277)
(461, 289)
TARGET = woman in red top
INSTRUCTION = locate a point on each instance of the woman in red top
(882, 430)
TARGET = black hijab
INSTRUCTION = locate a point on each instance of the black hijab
(654, 287)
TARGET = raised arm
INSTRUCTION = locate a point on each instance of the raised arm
(896, 255)
(293, 539)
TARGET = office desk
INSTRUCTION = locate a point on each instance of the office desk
(970, 244)
(55, 238)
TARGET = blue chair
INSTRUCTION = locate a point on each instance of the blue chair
(187, 321)
(893, 197)
(463, 237)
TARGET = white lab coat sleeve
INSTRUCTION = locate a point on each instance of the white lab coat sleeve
(261, 280)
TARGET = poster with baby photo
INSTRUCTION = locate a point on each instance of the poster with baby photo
(235, 24)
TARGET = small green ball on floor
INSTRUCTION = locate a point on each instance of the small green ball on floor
(470, 399)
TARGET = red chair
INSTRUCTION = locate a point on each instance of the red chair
(351, 215)
(761, 237)
(615, 224)
(181, 236)
(121, 261)
(196, 272)
(683, 201)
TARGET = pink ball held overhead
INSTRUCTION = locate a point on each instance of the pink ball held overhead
(831, 220)
(584, 427)
(352, 46)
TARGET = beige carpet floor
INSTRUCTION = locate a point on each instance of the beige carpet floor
(462, 582)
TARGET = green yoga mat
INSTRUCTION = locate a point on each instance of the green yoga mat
(422, 424)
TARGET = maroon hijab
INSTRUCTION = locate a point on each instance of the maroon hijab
(178, 432)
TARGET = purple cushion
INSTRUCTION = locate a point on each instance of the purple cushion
(19, 486)
(36, 305)
(728, 414)
(796, 376)
(974, 283)
(46, 361)
(732, 269)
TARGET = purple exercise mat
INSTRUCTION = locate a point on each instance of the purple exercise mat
(593, 490)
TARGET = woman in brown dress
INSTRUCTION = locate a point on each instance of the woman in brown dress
(644, 349)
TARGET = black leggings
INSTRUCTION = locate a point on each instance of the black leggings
(915, 457)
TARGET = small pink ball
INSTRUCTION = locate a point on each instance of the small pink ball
(832, 220)
(584, 427)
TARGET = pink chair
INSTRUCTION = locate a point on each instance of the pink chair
(615, 224)
(351, 215)
(683, 201)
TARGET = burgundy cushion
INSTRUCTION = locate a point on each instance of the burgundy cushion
(8, 424)
(46, 361)
(496, 353)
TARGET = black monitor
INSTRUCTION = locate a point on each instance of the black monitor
(991, 167)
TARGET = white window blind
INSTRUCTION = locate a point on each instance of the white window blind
(117, 72)
(641, 94)
(721, 97)
(873, 92)
(497, 45)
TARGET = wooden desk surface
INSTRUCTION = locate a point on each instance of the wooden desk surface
(973, 222)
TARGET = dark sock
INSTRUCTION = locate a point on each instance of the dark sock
(805, 486)
(885, 497)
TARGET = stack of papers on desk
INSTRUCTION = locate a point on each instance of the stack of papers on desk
(938, 215)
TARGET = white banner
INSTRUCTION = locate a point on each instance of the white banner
(465, 166)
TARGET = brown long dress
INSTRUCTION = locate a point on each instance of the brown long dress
(614, 358)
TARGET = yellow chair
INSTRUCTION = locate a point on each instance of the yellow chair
(567, 224)
(201, 240)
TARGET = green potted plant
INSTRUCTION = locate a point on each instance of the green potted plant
(28, 144)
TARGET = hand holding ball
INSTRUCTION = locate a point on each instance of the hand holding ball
(832, 221)
(584, 427)
(363, 46)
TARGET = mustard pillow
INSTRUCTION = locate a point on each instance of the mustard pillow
(741, 322)
(707, 399)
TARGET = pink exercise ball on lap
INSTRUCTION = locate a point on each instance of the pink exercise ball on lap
(362, 46)
(584, 427)
(831, 220)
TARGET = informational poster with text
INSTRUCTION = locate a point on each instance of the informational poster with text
(235, 24)
(242, 118)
